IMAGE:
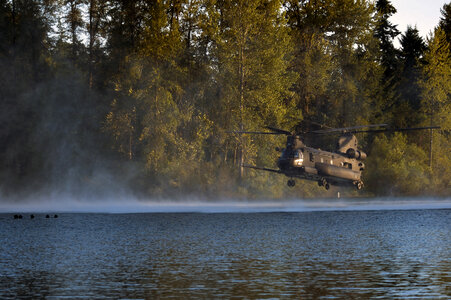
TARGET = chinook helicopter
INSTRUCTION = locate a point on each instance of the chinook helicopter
(343, 167)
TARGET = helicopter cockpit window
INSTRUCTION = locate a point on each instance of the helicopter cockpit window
(298, 154)
(298, 158)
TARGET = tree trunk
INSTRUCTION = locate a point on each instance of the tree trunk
(91, 40)
(241, 72)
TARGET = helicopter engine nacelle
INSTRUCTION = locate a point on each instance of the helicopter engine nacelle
(357, 154)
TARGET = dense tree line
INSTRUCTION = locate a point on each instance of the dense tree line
(98, 96)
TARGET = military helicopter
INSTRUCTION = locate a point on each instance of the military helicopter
(343, 167)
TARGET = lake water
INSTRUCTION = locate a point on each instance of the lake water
(313, 254)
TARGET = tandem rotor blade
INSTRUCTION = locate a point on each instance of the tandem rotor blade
(255, 132)
(262, 169)
(274, 131)
(347, 129)
(395, 129)
(278, 131)
(354, 129)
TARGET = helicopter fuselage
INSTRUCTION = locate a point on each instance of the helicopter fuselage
(327, 168)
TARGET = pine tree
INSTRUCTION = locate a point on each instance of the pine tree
(312, 59)
(252, 46)
(436, 106)
(95, 26)
(24, 58)
(124, 32)
(406, 111)
(386, 32)
(445, 21)
(75, 24)
(334, 48)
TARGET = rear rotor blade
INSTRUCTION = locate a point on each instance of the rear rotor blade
(395, 129)
(347, 129)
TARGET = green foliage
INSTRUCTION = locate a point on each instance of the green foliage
(397, 167)
(436, 83)
(148, 91)
(334, 57)
(408, 100)
(436, 107)
(445, 21)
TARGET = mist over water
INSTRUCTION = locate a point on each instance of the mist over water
(124, 204)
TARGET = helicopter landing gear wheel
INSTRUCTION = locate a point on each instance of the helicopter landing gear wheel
(359, 185)
(291, 183)
(323, 182)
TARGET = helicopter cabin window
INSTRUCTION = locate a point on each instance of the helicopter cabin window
(347, 165)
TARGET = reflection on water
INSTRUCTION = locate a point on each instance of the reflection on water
(362, 254)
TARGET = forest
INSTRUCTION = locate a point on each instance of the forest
(107, 98)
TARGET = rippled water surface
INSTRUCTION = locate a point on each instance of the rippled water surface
(360, 254)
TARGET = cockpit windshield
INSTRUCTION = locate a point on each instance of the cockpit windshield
(288, 153)
(298, 154)
(298, 158)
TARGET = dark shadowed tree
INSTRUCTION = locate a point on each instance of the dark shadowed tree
(96, 34)
(75, 23)
(386, 32)
(445, 21)
(406, 112)
(23, 66)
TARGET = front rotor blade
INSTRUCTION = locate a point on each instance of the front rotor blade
(262, 169)
(279, 131)
(256, 132)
